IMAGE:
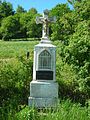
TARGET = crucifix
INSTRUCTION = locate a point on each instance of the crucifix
(45, 20)
(43, 87)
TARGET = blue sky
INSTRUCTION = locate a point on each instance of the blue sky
(40, 5)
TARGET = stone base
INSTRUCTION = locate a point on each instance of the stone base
(42, 102)
(43, 94)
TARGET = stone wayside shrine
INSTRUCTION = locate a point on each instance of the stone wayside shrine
(43, 87)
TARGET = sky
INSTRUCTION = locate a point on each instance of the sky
(40, 5)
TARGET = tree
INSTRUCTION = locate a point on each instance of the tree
(59, 10)
(6, 9)
(34, 30)
(72, 2)
(62, 26)
(82, 10)
(24, 19)
(20, 9)
(10, 27)
(32, 11)
(78, 53)
(28, 25)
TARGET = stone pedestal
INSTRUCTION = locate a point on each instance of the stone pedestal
(44, 88)
(43, 94)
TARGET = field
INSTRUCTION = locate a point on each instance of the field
(13, 49)
(15, 75)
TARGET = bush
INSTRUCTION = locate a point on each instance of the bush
(15, 76)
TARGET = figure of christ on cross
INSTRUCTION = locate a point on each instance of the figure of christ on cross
(45, 20)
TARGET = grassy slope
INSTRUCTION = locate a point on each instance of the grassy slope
(13, 49)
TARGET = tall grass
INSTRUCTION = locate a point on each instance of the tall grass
(64, 111)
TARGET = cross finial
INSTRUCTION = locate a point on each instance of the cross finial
(45, 20)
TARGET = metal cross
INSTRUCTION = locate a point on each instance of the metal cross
(45, 20)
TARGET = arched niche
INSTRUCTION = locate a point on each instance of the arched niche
(44, 60)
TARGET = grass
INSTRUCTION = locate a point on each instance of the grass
(13, 49)
(66, 110)
(10, 49)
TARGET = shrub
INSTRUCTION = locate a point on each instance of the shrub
(15, 76)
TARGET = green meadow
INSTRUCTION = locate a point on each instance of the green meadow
(13, 49)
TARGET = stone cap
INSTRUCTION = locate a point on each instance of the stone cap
(45, 45)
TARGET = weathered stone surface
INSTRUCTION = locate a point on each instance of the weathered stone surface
(43, 94)
(42, 102)
(42, 89)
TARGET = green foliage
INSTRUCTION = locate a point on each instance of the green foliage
(82, 9)
(72, 2)
(28, 24)
(19, 25)
(73, 66)
(62, 28)
(9, 27)
(32, 27)
(20, 9)
(6, 9)
(72, 30)
(15, 75)
(59, 10)
(32, 11)
(27, 114)
(64, 111)
(72, 84)
(77, 54)
(67, 20)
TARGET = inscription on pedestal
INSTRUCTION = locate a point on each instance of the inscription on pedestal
(44, 75)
